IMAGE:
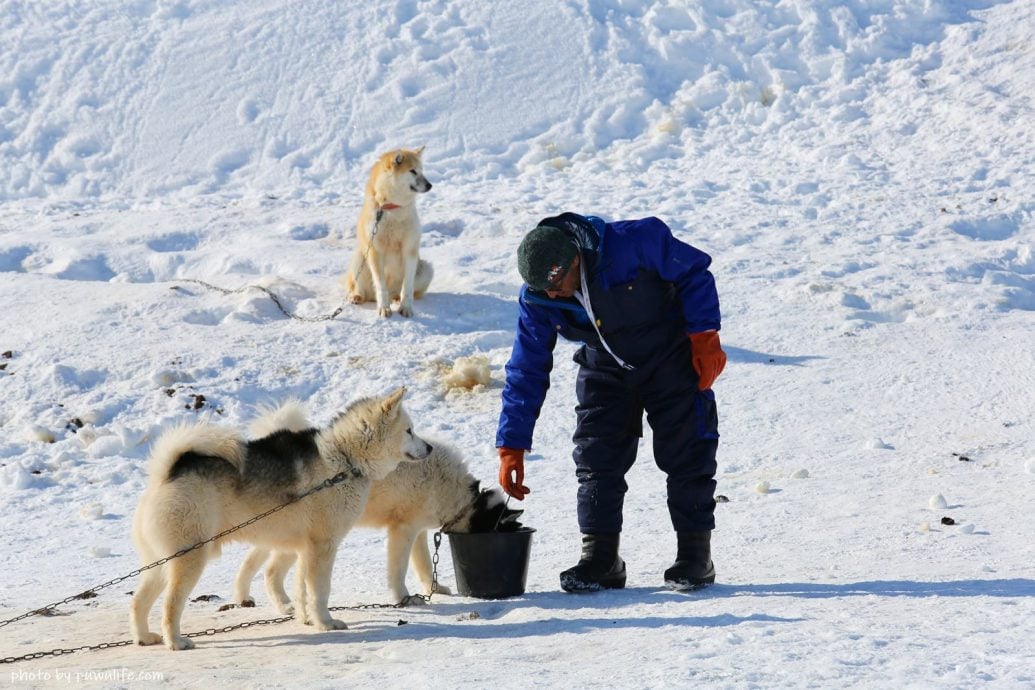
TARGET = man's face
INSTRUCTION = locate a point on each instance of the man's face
(568, 283)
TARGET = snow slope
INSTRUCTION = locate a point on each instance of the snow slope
(860, 171)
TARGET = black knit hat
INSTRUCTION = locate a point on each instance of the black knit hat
(544, 254)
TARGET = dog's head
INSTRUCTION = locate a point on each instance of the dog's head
(487, 511)
(375, 434)
(399, 177)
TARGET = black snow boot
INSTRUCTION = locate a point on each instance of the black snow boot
(693, 568)
(600, 567)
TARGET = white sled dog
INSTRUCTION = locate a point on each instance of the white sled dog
(205, 479)
(415, 497)
(386, 264)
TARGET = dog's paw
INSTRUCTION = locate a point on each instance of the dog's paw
(149, 638)
(412, 600)
(179, 643)
(384, 311)
(246, 602)
(442, 589)
(406, 310)
(356, 298)
(331, 624)
(285, 608)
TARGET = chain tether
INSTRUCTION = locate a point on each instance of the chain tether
(276, 298)
(336, 479)
(272, 295)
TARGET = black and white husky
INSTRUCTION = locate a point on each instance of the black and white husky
(205, 479)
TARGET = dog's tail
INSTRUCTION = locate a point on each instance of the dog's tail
(290, 416)
(202, 439)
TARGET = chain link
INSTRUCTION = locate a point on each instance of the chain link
(434, 563)
(272, 295)
(88, 594)
(229, 628)
(276, 299)
(125, 643)
(61, 652)
(209, 631)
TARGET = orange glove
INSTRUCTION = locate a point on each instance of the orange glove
(708, 357)
(512, 462)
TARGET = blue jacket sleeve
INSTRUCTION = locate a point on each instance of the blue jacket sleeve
(528, 377)
(687, 268)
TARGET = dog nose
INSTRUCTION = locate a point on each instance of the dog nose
(429, 186)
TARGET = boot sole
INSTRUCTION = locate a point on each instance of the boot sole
(687, 586)
(576, 586)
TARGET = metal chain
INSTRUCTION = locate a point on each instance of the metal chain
(272, 295)
(124, 643)
(434, 563)
(276, 299)
(426, 598)
(88, 594)
(247, 624)
(59, 652)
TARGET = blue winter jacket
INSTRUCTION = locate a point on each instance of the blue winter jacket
(646, 288)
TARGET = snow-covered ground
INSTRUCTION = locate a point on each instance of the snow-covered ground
(862, 173)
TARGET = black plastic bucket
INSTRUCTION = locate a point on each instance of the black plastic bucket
(491, 565)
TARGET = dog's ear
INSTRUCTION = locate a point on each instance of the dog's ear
(390, 403)
(419, 152)
(399, 158)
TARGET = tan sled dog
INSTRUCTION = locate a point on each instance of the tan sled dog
(386, 264)
(439, 492)
(204, 479)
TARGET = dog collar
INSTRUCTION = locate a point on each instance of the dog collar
(390, 207)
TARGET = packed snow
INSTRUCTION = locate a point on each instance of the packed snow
(860, 171)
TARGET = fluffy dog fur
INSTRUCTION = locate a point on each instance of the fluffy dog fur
(205, 479)
(415, 497)
(386, 264)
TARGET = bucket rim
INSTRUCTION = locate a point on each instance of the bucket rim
(522, 530)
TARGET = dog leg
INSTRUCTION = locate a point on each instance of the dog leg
(243, 582)
(409, 274)
(317, 561)
(377, 277)
(276, 570)
(184, 573)
(301, 607)
(150, 587)
(353, 280)
(400, 541)
(420, 559)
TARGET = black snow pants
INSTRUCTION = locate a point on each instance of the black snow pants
(611, 403)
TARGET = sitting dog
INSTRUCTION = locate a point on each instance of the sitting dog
(415, 497)
(205, 479)
(386, 263)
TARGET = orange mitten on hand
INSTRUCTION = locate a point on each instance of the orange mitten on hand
(512, 472)
(708, 357)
